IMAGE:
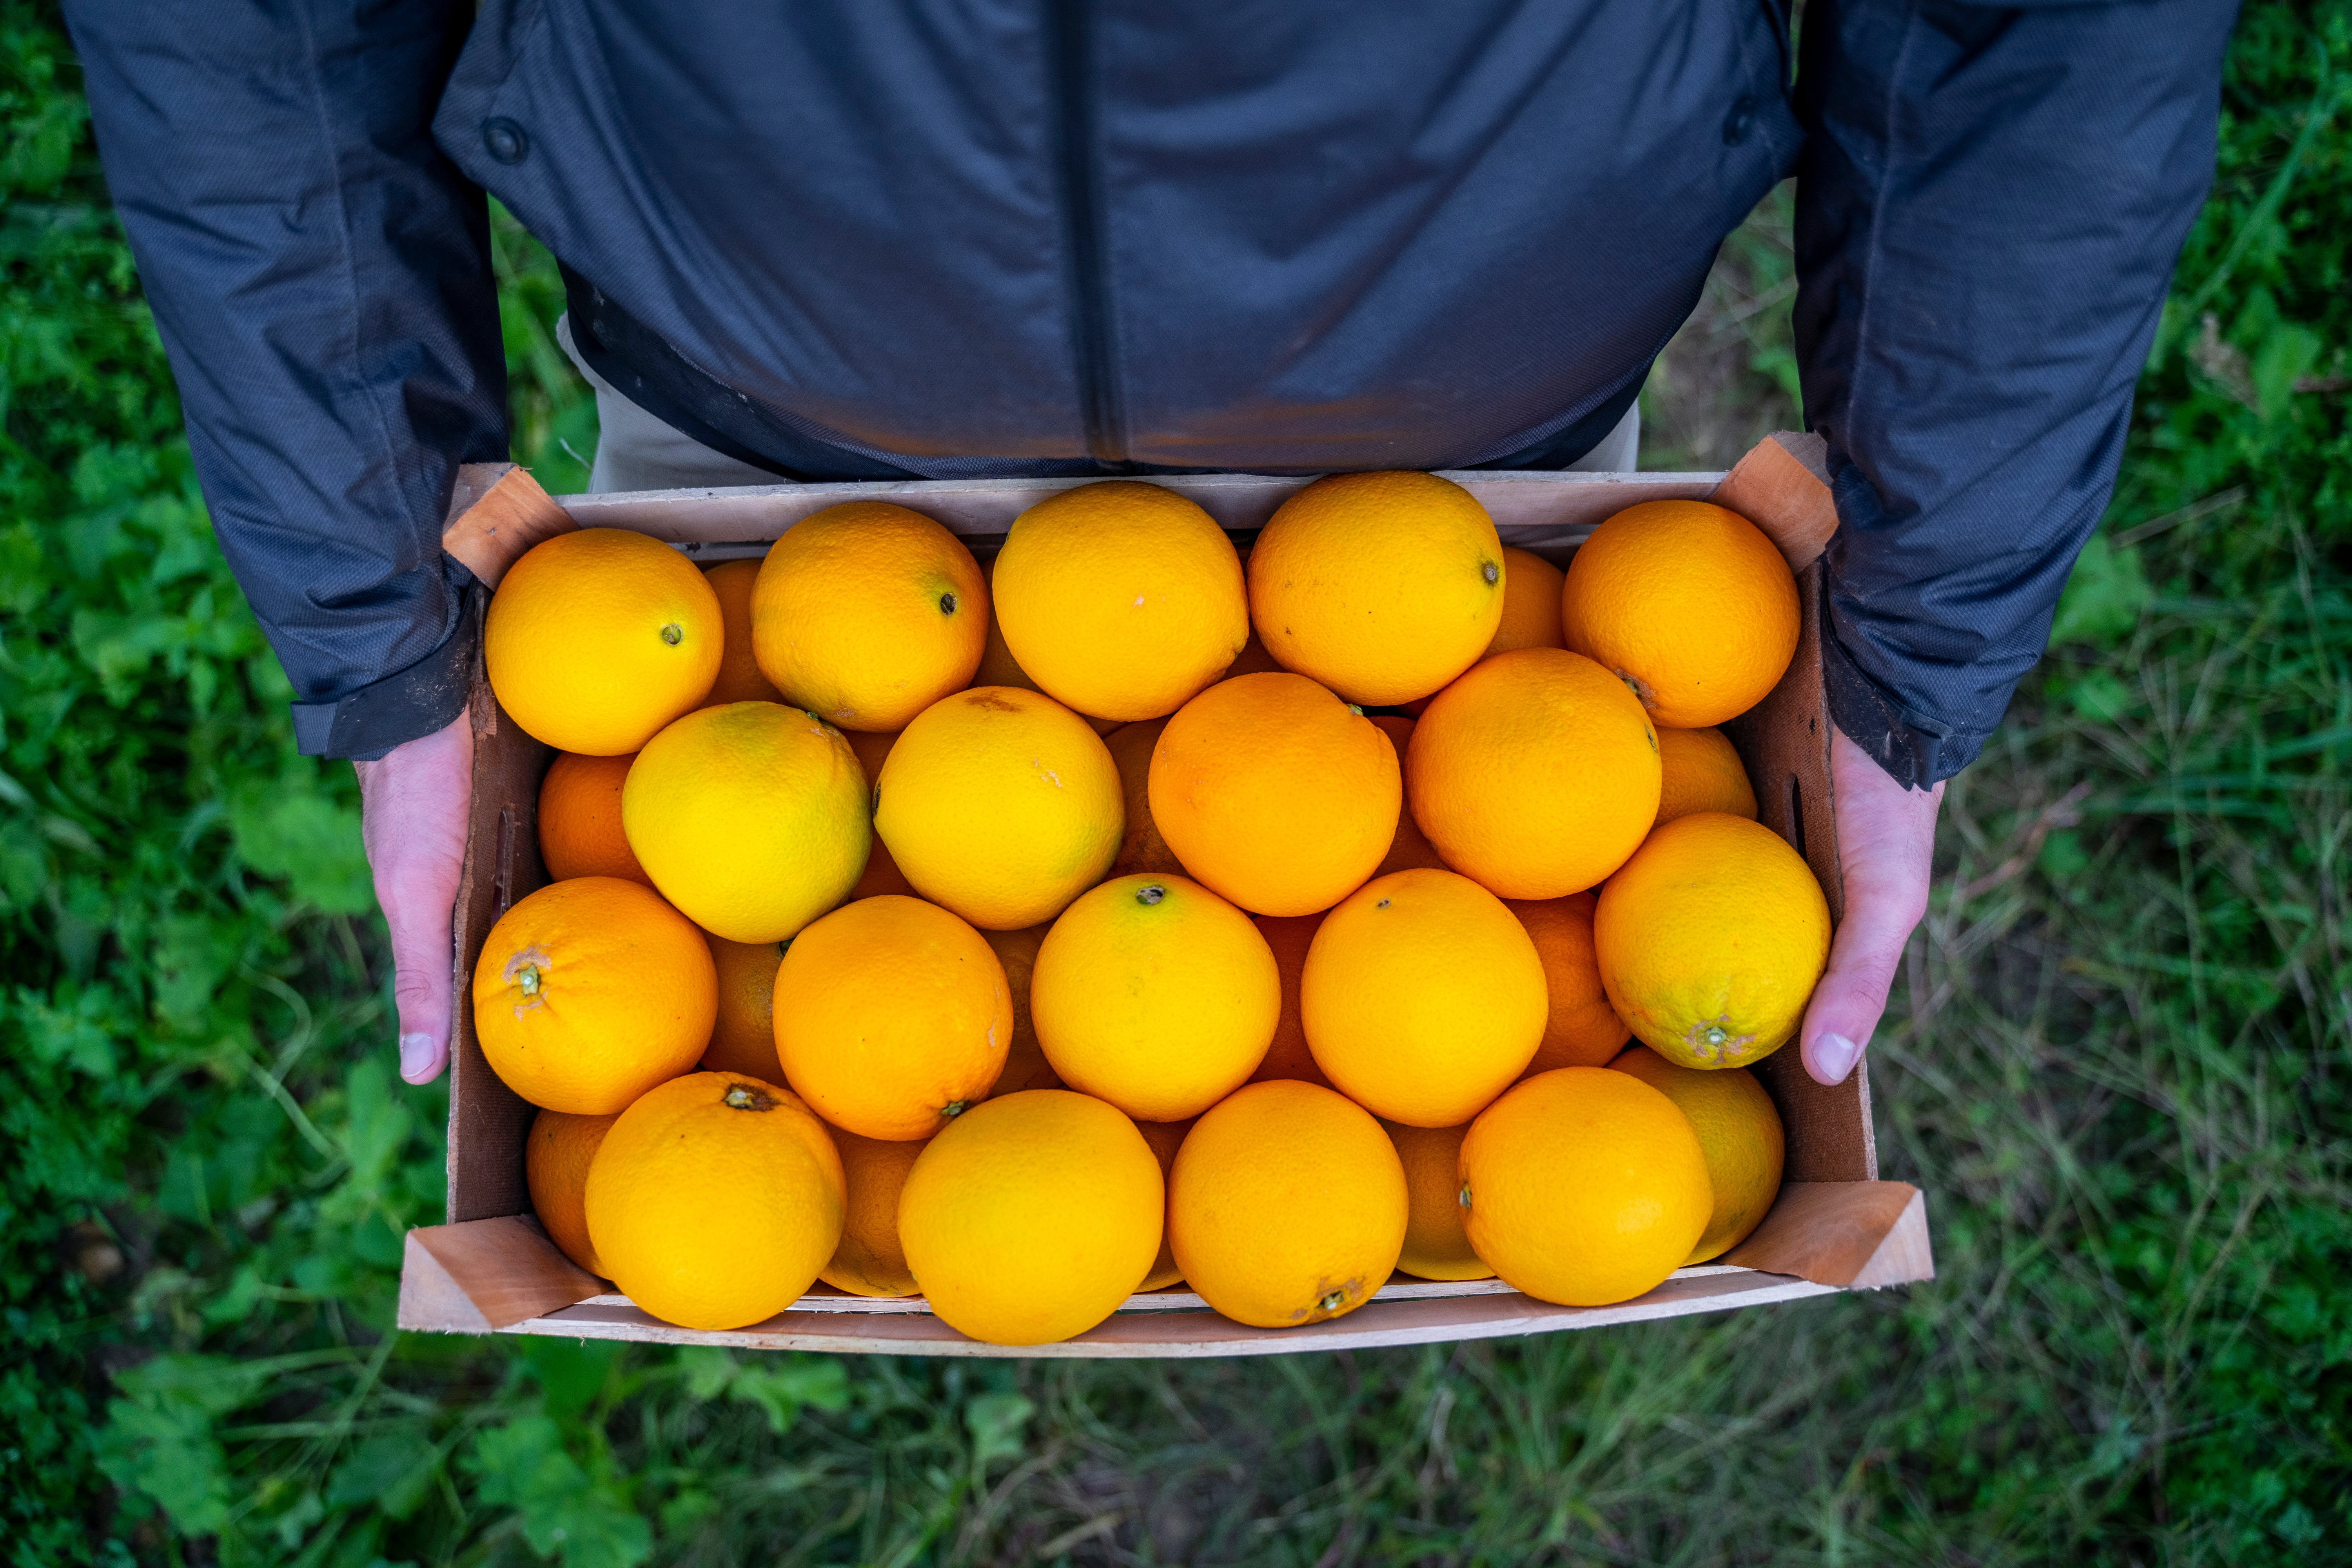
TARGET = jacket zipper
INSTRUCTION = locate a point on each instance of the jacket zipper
(1070, 39)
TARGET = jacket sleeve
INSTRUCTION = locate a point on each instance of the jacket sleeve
(1988, 207)
(319, 274)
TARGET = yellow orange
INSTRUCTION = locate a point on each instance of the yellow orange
(1382, 586)
(1710, 941)
(557, 1154)
(598, 637)
(1287, 1205)
(715, 1200)
(1025, 1066)
(869, 1262)
(866, 614)
(892, 1017)
(1435, 1245)
(1001, 805)
(999, 668)
(1289, 938)
(1165, 1137)
(1701, 771)
(1531, 588)
(1276, 793)
(1686, 601)
(580, 819)
(1422, 997)
(1583, 1186)
(1032, 1217)
(1581, 1030)
(1140, 848)
(1154, 994)
(739, 679)
(751, 819)
(1120, 599)
(590, 992)
(1410, 849)
(1536, 774)
(1739, 1132)
(744, 1040)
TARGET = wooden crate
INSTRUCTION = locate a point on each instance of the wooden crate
(491, 1269)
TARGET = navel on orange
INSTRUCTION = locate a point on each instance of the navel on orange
(1686, 601)
(866, 614)
(590, 992)
(714, 1200)
(892, 1017)
(598, 637)
(1710, 939)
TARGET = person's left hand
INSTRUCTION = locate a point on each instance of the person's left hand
(1886, 840)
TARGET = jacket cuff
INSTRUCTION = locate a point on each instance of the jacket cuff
(362, 725)
(1916, 751)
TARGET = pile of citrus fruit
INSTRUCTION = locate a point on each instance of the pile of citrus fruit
(1122, 913)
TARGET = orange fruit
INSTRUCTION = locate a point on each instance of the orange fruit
(739, 679)
(1140, 848)
(1422, 997)
(1739, 1132)
(1581, 1031)
(1025, 1066)
(1710, 939)
(892, 1017)
(881, 874)
(716, 1199)
(1531, 588)
(1687, 602)
(1120, 599)
(1154, 994)
(869, 1262)
(1287, 1205)
(866, 614)
(590, 992)
(580, 819)
(1382, 586)
(744, 1040)
(751, 819)
(999, 668)
(1289, 938)
(1001, 805)
(1276, 793)
(1410, 849)
(1536, 774)
(1435, 1245)
(1583, 1187)
(1032, 1217)
(555, 1159)
(1165, 1137)
(598, 637)
(1701, 771)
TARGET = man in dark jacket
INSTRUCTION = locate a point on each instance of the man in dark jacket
(837, 240)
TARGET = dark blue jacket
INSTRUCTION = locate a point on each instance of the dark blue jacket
(943, 237)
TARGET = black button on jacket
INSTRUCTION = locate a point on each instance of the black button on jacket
(951, 237)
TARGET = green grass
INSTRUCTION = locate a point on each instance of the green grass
(2117, 1060)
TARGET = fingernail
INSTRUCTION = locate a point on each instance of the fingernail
(1836, 1055)
(416, 1057)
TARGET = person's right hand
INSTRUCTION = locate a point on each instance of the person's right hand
(413, 805)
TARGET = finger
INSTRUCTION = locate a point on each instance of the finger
(421, 977)
(1852, 995)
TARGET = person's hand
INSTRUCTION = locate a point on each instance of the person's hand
(413, 803)
(1887, 837)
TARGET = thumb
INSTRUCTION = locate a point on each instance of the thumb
(414, 802)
